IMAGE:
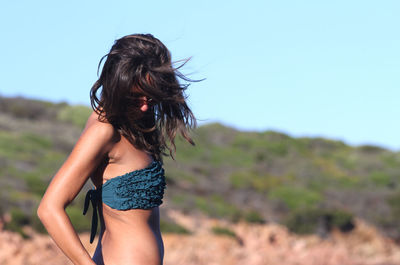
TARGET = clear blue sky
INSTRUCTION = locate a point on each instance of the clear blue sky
(306, 68)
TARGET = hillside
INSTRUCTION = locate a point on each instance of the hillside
(311, 185)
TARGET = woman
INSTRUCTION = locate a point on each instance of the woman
(140, 111)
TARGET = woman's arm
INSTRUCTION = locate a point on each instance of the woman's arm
(93, 145)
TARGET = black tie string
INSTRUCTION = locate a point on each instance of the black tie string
(92, 196)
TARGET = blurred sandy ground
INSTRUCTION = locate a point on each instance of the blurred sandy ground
(255, 244)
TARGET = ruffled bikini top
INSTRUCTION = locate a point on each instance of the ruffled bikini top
(139, 189)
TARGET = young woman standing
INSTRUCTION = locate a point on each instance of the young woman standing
(141, 109)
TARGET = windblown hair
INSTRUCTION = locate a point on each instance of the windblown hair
(140, 65)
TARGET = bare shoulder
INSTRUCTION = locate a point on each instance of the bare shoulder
(101, 131)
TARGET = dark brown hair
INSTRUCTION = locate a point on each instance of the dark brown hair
(140, 65)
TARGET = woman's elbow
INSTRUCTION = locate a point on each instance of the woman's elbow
(42, 211)
(47, 210)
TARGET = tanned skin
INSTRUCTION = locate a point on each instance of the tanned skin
(127, 237)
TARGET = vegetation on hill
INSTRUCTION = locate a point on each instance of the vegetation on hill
(309, 184)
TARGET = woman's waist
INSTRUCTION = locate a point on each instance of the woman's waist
(131, 220)
(128, 246)
(130, 233)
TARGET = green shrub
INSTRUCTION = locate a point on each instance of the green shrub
(77, 114)
(312, 220)
(202, 204)
(35, 184)
(19, 217)
(217, 156)
(391, 159)
(218, 230)
(260, 182)
(9, 147)
(240, 180)
(341, 219)
(37, 141)
(81, 223)
(380, 178)
(27, 147)
(344, 159)
(18, 220)
(253, 217)
(217, 206)
(188, 153)
(371, 149)
(268, 143)
(295, 197)
(37, 225)
(171, 227)
(348, 182)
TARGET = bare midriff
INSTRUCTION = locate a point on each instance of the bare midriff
(130, 237)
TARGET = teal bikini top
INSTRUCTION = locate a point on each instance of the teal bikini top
(139, 189)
